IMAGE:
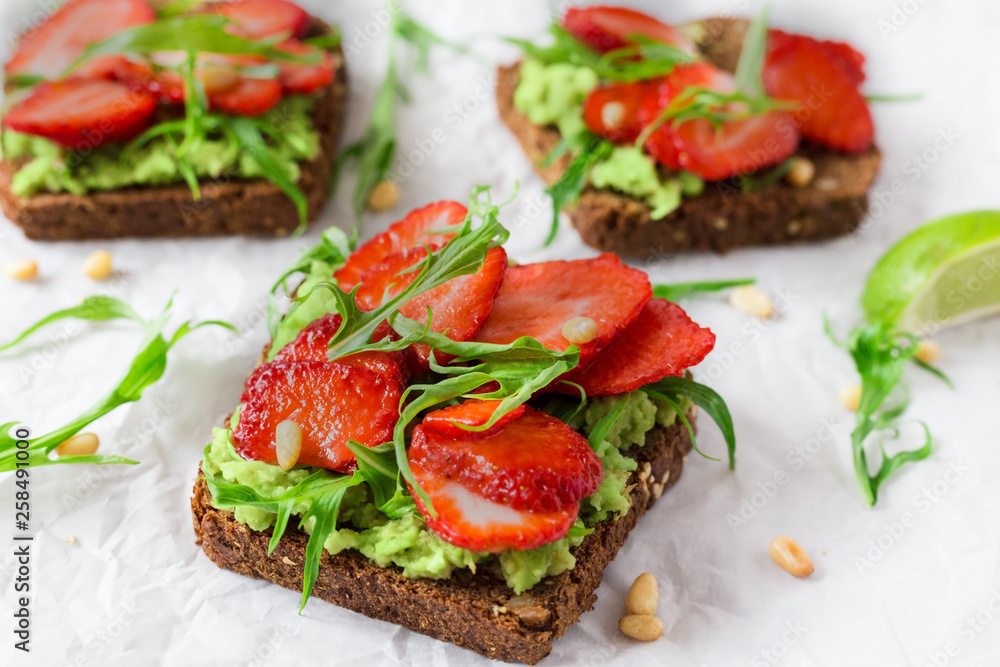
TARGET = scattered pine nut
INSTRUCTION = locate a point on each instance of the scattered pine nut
(384, 196)
(98, 265)
(791, 557)
(753, 301)
(802, 172)
(579, 330)
(929, 351)
(850, 396)
(287, 443)
(643, 595)
(643, 627)
(21, 269)
(612, 115)
(81, 444)
(71, 539)
(657, 491)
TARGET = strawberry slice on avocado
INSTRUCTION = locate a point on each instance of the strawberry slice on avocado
(450, 421)
(608, 28)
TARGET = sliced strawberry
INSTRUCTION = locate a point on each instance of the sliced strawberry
(537, 299)
(258, 19)
(663, 341)
(832, 111)
(608, 28)
(450, 421)
(82, 113)
(53, 46)
(302, 77)
(249, 97)
(842, 55)
(620, 111)
(472, 522)
(332, 403)
(400, 236)
(312, 344)
(459, 307)
(535, 462)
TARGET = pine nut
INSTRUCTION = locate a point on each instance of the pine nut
(21, 269)
(217, 78)
(850, 396)
(643, 627)
(81, 444)
(929, 351)
(579, 330)
(643, 595)
(612, 115)
(98, 265)
(71, 539)
(657, 491)
(287, 443)
(753, 301)
(802, 172)
(384, 196)
(791, 557)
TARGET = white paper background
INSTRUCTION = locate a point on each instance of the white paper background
(134, 589)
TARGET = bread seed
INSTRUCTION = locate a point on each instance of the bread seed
(850, 396)
(612, 115)
(98, 265)
(384, 196)
(81, 444)
(792, 558)
(643, 627)
(643, 595)
(579, 330)
(287, 443)
(753, 301)
(21, 269)
(802, 172)
(929, 351)
(657, 491)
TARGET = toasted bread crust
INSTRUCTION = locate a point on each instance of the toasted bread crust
(469, 610)
(722, 217)
(227, 206)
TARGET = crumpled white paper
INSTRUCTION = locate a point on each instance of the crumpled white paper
(912, 582)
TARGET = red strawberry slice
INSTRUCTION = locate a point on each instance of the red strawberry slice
(459, 307)
(249, 97)
(472, 522)
(832, 111)
(534, 463)
(400, 236)
(312, 344)
(332, 403)
(53, 46)
(715, 152)
(82, 113)
(537, 299)
(301, 77)
(608, 28)
(450, 421)
(663, 341)
(842, 55)
(620, 111)
(258, 19)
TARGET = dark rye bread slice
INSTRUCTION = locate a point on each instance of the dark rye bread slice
(227, 206)
(722, 217)
(474, 611)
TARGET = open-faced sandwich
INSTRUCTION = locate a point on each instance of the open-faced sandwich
(186, 120)
(715, 135)
(463, 442)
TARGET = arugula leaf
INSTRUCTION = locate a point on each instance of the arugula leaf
(765, 178)
(333, 249)
(751, 62)
(572, 181)
(423, 39)
(381, 472)
(322, 492)
(911, 97)
(175, 7)
(677, 291)
(93, 308)
(147, 367)
(880, 356)
(604, 425)
(673, 389)
(331, 40)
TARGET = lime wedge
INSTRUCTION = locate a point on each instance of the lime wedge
(944, 273)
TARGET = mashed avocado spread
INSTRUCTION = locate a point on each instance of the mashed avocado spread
(52, 168)
(408, 543)
(554, 95)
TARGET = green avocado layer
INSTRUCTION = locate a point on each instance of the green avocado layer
(49, 167)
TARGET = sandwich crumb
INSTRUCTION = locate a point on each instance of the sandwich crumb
(287, 561)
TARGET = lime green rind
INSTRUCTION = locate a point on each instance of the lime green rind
(942, 274)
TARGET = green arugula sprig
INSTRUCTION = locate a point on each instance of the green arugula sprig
(92, 308)
(880, 356)
(672, 390)
(147, 367)
(677, 291)
(572, 181)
